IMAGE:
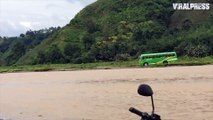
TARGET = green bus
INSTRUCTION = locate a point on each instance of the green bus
(157, 58)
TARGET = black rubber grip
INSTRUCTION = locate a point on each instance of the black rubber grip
(135, 111)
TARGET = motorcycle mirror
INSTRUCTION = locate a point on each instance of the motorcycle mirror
(145, 90)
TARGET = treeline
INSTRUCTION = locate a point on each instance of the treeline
(13, 48)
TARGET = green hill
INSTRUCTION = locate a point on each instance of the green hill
(13, 49)
(113, 30)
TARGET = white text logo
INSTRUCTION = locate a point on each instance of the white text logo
(191, 6)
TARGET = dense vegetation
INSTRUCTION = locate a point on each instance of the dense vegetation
(13, 48)
(117, 30)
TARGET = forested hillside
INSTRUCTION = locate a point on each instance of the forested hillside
(114, 30)
(13, 48)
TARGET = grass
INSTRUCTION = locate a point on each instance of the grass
(63, 67)
(194, 61)
(182, 61)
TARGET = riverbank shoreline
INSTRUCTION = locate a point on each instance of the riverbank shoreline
(182, 61)
(100, 68)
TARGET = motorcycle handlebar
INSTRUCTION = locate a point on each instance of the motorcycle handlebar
(135, 111)
(144, 115)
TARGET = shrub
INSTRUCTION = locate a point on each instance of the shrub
(122, 57)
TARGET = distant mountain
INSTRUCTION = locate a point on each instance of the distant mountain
(112, 30)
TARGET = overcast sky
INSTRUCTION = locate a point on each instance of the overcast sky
(18, 16)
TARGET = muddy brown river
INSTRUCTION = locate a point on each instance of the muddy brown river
(180, 93)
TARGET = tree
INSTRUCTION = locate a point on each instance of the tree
(17, 51)
(54, 55)
(88, 41)
(1, 59)
(197, 51)
(41, 58)
(187, 24)
(22, 35)
(92, 26)
(72, 51)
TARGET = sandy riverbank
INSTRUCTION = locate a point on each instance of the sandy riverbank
(179, 93)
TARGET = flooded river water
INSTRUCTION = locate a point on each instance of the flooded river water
(180, 93)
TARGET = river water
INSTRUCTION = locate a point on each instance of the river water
(180, 93)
